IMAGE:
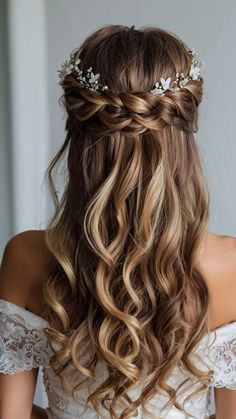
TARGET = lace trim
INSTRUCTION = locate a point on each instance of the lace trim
(22, 345)
(225, 365)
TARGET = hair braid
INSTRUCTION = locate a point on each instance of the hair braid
(128, 112)
(126, 232)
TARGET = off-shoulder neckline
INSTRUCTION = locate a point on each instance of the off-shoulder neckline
(24, 311)
(43, 321)
(223, 327)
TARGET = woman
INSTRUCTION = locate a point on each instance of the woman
(127, 300)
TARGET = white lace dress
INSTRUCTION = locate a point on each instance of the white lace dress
(24, 345)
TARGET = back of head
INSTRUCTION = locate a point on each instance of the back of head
(127, 228)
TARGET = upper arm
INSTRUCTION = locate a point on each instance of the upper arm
(17, 285)
(225, 401)
(17, 394)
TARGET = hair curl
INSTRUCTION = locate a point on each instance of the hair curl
(124, 289)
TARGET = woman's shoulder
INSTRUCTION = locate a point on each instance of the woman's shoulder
(218, 255)
(24, 264)
(26, 259)
(217, 262)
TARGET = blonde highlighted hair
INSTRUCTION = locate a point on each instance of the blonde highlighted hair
(125, 233)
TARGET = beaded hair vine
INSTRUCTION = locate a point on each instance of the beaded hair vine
(90, 80)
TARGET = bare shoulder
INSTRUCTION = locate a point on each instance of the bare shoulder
(219, 255)
(25, 261)
(217, 262)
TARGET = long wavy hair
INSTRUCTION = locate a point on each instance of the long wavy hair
(124, 289)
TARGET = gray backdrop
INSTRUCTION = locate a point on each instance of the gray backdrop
(208, 26)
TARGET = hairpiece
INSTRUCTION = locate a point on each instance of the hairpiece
(180, 81)
(90, 81)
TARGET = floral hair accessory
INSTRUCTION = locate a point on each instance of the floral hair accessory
(90, 80)
(180, 81)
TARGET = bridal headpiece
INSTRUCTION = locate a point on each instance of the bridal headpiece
(90, 80)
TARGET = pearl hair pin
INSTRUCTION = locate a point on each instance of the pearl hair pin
(90, 81)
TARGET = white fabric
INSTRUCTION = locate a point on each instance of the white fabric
(24, 345)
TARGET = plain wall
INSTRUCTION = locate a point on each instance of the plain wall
(6, 213)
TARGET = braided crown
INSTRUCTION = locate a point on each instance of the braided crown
(90, 80)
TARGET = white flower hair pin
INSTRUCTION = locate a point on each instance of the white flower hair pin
(90, 81)
(180, 81)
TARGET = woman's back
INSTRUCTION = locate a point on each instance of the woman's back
(25, 263)
(216, 260)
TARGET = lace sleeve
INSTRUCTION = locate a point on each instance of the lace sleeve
(225, 364)
(223, 357)
(23, 342)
